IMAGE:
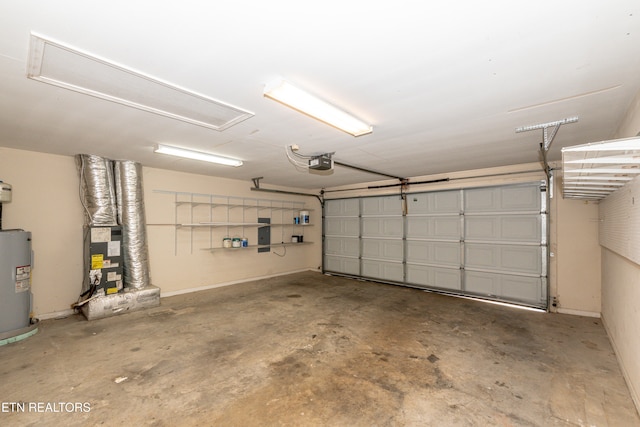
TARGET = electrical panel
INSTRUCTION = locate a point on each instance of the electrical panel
(264, 235)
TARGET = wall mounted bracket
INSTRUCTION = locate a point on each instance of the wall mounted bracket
(549, 131)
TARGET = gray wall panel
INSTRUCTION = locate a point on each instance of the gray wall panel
(504, 228)
(342, 226)
(383, 249)
(342, 246)
(383, 270)
(336, 264)
(433, 277)
(382, 227)
(343, 207)
(444, 202)
(505, 258)
(387, 205)
(440, 253)
(435, 227)
(529, 290)
(516, 198)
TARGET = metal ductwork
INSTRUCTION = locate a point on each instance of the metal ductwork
(97, 192)
(131, 215)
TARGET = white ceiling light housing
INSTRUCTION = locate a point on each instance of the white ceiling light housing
(291, 96)
(196, 155)
(60, 65)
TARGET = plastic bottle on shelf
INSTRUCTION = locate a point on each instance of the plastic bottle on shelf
(304, 217)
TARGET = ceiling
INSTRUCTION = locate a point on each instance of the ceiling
(444, 84)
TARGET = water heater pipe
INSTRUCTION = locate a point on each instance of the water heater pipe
(5, 196)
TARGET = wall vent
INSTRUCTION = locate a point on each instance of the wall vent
(59, 65)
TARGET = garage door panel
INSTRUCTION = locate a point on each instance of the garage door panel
(433, 277)
(382, 249)
(437, 227)
(382, 227)
(441, 253)
(480, 200)
(342, 265)
(342, 226)
(520, 198)
(486, 242)
(418, 227)
(389, 205)
(505, 258)
(504, 228)
(383, 270)
(528, 290)
(342, 246)
(342, 207)
(434, 203)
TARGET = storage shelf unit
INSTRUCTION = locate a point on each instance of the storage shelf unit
(244, 249)
(228, 216)
(593, 171)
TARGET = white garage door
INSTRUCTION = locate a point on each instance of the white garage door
(486, 242)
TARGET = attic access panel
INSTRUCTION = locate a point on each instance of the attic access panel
(69, 68)
(593, 171)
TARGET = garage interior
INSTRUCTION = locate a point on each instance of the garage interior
(465, 256)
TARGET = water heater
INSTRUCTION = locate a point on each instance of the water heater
(15, 285)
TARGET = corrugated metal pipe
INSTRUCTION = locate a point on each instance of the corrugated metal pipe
(131, 215)
(97, 193)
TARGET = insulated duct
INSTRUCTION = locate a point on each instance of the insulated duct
(97, 193)
(131, 215)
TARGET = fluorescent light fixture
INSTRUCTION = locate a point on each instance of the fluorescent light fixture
(196, 155)
(285, 93)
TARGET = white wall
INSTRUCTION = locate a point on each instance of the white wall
(186, 266)
(621, 284)
(621, 314)
(576, 259)
(46, 202)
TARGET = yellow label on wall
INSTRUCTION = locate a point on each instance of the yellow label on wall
(97, 261)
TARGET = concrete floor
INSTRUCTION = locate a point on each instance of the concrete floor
(308, 349)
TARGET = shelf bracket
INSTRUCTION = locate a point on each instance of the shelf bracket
(256, 181)
(547, 140)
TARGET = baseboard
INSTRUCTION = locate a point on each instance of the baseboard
(632, 391)
(578, 312)
(56, 314)
(70, 312)
(234, 282)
